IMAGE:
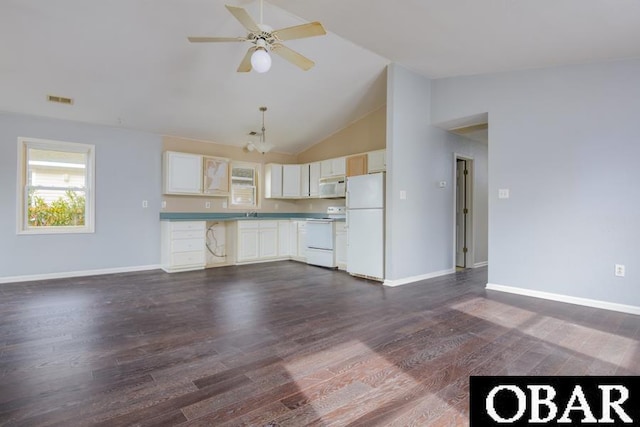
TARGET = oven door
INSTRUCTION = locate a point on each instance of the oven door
(320, 234)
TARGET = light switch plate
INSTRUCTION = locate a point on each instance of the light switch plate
(503, 193)
(403, 195)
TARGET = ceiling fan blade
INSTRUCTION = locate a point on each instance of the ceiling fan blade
(245, 65)
(216, 39)
(245, 19)
(292, 56)
(311, 29)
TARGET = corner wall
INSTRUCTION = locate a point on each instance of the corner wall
(564, 141)
(419, 228)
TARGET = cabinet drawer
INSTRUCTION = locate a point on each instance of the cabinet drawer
(249, 223)
(187, 234)
(268, 224)
(187, 258)
(187, 225)
(186, 245)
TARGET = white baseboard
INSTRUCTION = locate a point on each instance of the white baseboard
(565, 298)
(481, 264)
(406, 280)
(66, 274)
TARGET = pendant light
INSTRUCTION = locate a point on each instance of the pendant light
(262, 146)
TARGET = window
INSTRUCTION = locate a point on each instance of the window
(55, 187)
(244, 184)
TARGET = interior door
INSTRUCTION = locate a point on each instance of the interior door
(461, 213)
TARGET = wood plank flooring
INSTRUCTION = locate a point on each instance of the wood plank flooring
(282, 344)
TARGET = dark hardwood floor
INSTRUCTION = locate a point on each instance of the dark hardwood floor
(282, 344)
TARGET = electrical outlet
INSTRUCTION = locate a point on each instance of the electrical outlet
(276, 206)
(224, 205)
(503, 193)
(164, 204)
(207, 205)
(619, 270)
(145, 204)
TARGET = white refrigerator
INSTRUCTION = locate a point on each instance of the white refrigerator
(365, 225)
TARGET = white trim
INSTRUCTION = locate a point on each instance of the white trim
(24, 143)
(481, 264)
(407, 280)
(566, 298)
(66, 274)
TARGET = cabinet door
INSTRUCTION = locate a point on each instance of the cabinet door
(248, 244)
(293, 239)
(341, 245)
(182, 173)
(314, 179)
(268, 242)
(272, 181)
(326, 168)
(357, 165)
(216, 176)
(302, 243)
(304, 180)
(284, 242)
(291, 180)
(376, 161)
(339, 166)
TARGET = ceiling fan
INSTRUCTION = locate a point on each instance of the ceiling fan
(265, 39)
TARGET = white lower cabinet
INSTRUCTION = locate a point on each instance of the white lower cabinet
(182, 245)
(302, 241)
(248, 241)
(257, 241)
(284, 240)
(268, 239)
(341, 245)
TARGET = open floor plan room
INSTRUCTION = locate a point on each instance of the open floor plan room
(283, 343)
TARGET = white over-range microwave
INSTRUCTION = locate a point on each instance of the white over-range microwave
(333, 187)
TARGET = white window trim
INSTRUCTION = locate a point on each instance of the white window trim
(258, 179)
(90, 199)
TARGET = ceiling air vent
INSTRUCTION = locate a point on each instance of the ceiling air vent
(60, 99)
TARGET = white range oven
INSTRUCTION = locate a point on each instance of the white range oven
(321, 243)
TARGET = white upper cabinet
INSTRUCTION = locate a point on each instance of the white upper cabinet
(333, 167)
(314, 179)
(291, 180)
(304, 180)
(182, 173)
(272, 181)
(377, 161)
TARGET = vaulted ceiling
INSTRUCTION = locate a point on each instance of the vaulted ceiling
(127, 63)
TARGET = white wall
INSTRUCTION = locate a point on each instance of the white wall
(565, 141)
(419, 230)
(128, 170)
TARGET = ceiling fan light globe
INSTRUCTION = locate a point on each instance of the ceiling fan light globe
(261, 61)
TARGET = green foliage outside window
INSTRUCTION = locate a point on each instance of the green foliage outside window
(66, 211)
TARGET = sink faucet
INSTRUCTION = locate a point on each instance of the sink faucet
(251, 214)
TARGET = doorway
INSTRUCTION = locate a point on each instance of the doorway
(463, 197)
